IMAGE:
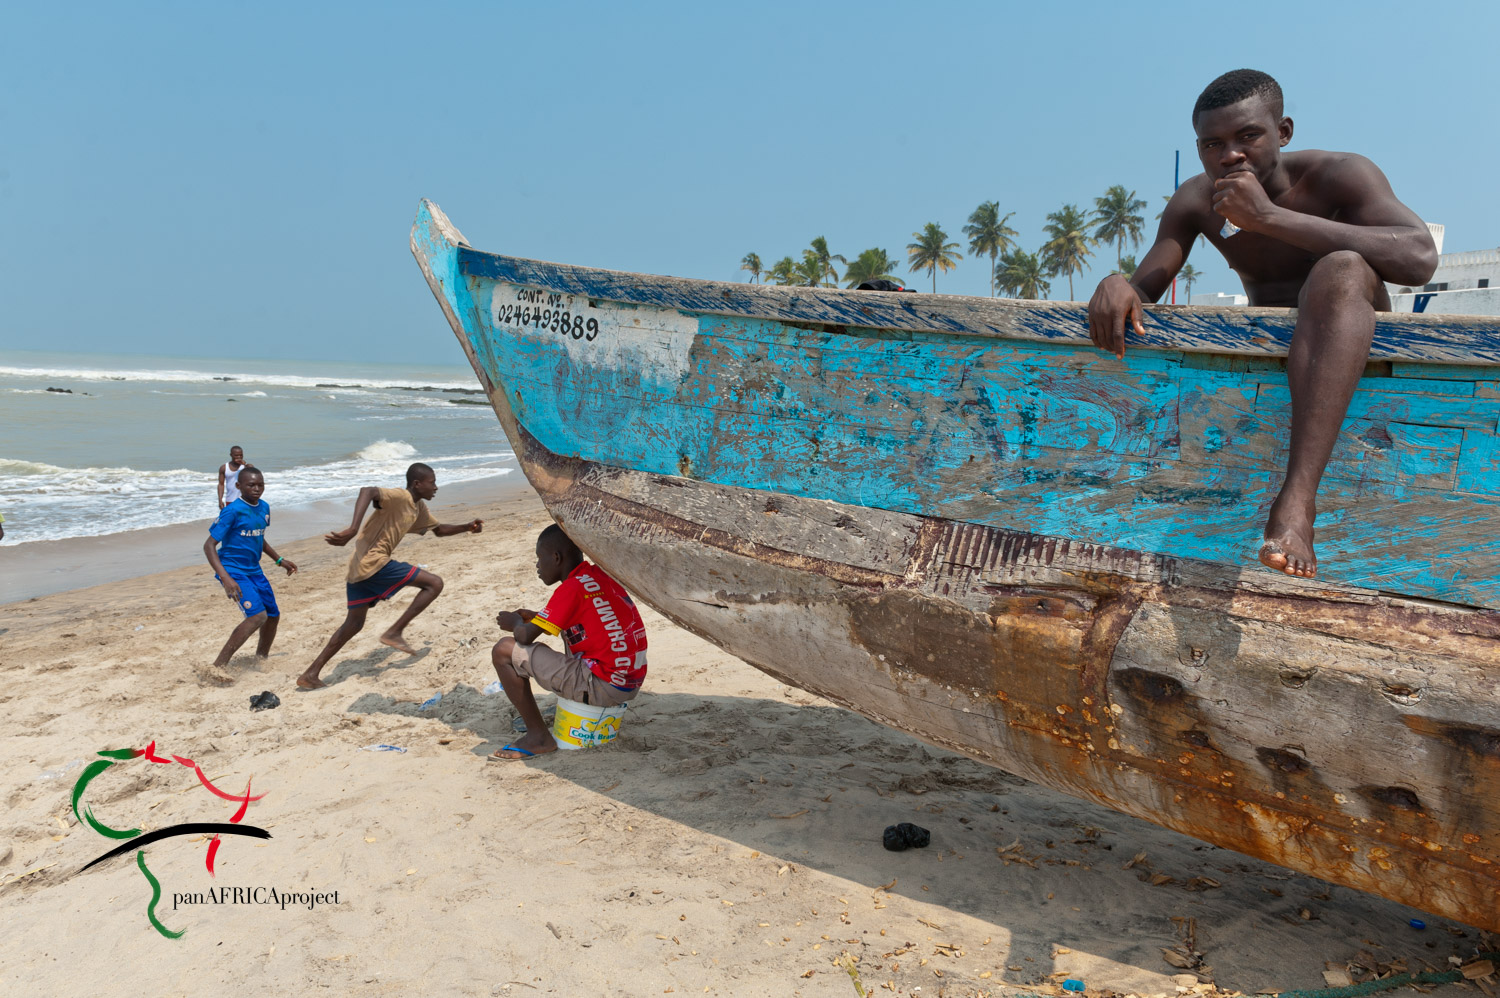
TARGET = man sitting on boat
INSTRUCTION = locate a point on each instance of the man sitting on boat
(1317, 230)
(605, 661)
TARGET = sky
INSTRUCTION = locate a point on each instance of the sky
(239, 180)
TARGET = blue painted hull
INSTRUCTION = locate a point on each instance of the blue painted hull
(1179, 450)
(957, 518)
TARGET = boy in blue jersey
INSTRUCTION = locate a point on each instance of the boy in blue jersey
(234, 547)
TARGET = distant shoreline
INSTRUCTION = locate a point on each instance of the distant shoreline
(42, 568)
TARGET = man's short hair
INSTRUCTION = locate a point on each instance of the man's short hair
(236, 447)
(554, 539)
(1237, 85)
(251, 469)
(418, 470)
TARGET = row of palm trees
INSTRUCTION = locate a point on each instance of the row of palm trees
(1072, 235)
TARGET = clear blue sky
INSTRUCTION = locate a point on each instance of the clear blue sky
(239, 180)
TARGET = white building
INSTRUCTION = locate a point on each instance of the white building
(1464, 284)
(1219, 298)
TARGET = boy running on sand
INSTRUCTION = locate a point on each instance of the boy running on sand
(373, 575)
(605, 661)
(235, 544)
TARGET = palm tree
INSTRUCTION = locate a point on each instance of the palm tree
(1127, 267)
(1187, 275)
(752, 264)
(932, 252)
(812, 271)
(825, 258)
(988, 234)
(783, 271)
(1068, 244)
(1119, 216)
(871, 265)
(1021, 274)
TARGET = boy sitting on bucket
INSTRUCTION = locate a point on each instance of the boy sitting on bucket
(605, 661)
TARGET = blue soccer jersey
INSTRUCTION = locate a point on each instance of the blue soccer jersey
(240, 531)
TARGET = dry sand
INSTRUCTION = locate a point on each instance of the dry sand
(727, 844)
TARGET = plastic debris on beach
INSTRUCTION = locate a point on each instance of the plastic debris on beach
(60, 771)
(518, 725)
(382, 748)
(264, 700)
(1073, 984)
(1417, 923)
(493, 688)
(431, 701)
(899, 838)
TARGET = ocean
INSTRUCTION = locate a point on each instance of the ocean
(132, 442)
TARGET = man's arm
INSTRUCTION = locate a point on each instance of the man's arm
(267, 551)
(518, 622)
(339, 538)
(231, 588)
(1372, 222)
(221, 486)
(449, 529)
(1117, 301)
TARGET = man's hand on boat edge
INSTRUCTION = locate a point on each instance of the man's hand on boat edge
(1115, 303)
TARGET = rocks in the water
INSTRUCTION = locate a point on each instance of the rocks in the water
(61, 391)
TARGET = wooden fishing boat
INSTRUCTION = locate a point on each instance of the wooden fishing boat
(956, 517)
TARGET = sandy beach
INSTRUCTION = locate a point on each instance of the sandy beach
(729, 842)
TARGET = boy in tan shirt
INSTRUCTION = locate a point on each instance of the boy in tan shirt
(373, 574)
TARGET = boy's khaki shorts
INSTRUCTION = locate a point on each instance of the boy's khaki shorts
(567, 675)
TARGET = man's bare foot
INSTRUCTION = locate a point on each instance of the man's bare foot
(215, 674)
(1288, 544)
(306, 682)
(531, 744)
(397, 642)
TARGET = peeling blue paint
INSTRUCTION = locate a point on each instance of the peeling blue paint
(1172, 452)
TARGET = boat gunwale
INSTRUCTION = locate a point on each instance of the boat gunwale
(1466, 341)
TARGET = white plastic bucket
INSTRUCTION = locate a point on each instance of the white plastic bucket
(580, 725)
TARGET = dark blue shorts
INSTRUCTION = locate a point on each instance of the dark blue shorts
(382, 585)
(255, 594)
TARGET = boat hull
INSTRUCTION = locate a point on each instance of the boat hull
(1342, 732)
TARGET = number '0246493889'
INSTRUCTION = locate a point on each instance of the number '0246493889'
(546, 312)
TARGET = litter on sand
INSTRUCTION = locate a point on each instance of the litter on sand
(431, 701)
(906, 836)
(382, 748)
(265, 700)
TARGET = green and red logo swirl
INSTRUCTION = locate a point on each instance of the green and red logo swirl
(137, 840)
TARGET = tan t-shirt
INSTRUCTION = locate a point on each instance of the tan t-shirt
(399, 514)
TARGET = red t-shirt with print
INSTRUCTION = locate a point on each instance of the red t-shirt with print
(598, 620)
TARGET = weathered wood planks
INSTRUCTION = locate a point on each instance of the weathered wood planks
(1246, 331)
(1341, 731)
(1160, 453)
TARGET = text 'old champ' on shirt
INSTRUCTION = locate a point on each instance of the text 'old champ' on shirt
(241, 533)
(397, 515)
(599, 621)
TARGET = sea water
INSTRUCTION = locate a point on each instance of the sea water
(137, 441)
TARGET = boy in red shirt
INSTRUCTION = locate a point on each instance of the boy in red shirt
(605, 661)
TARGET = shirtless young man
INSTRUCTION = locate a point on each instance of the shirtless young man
(373, 574)
(1320, 231)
